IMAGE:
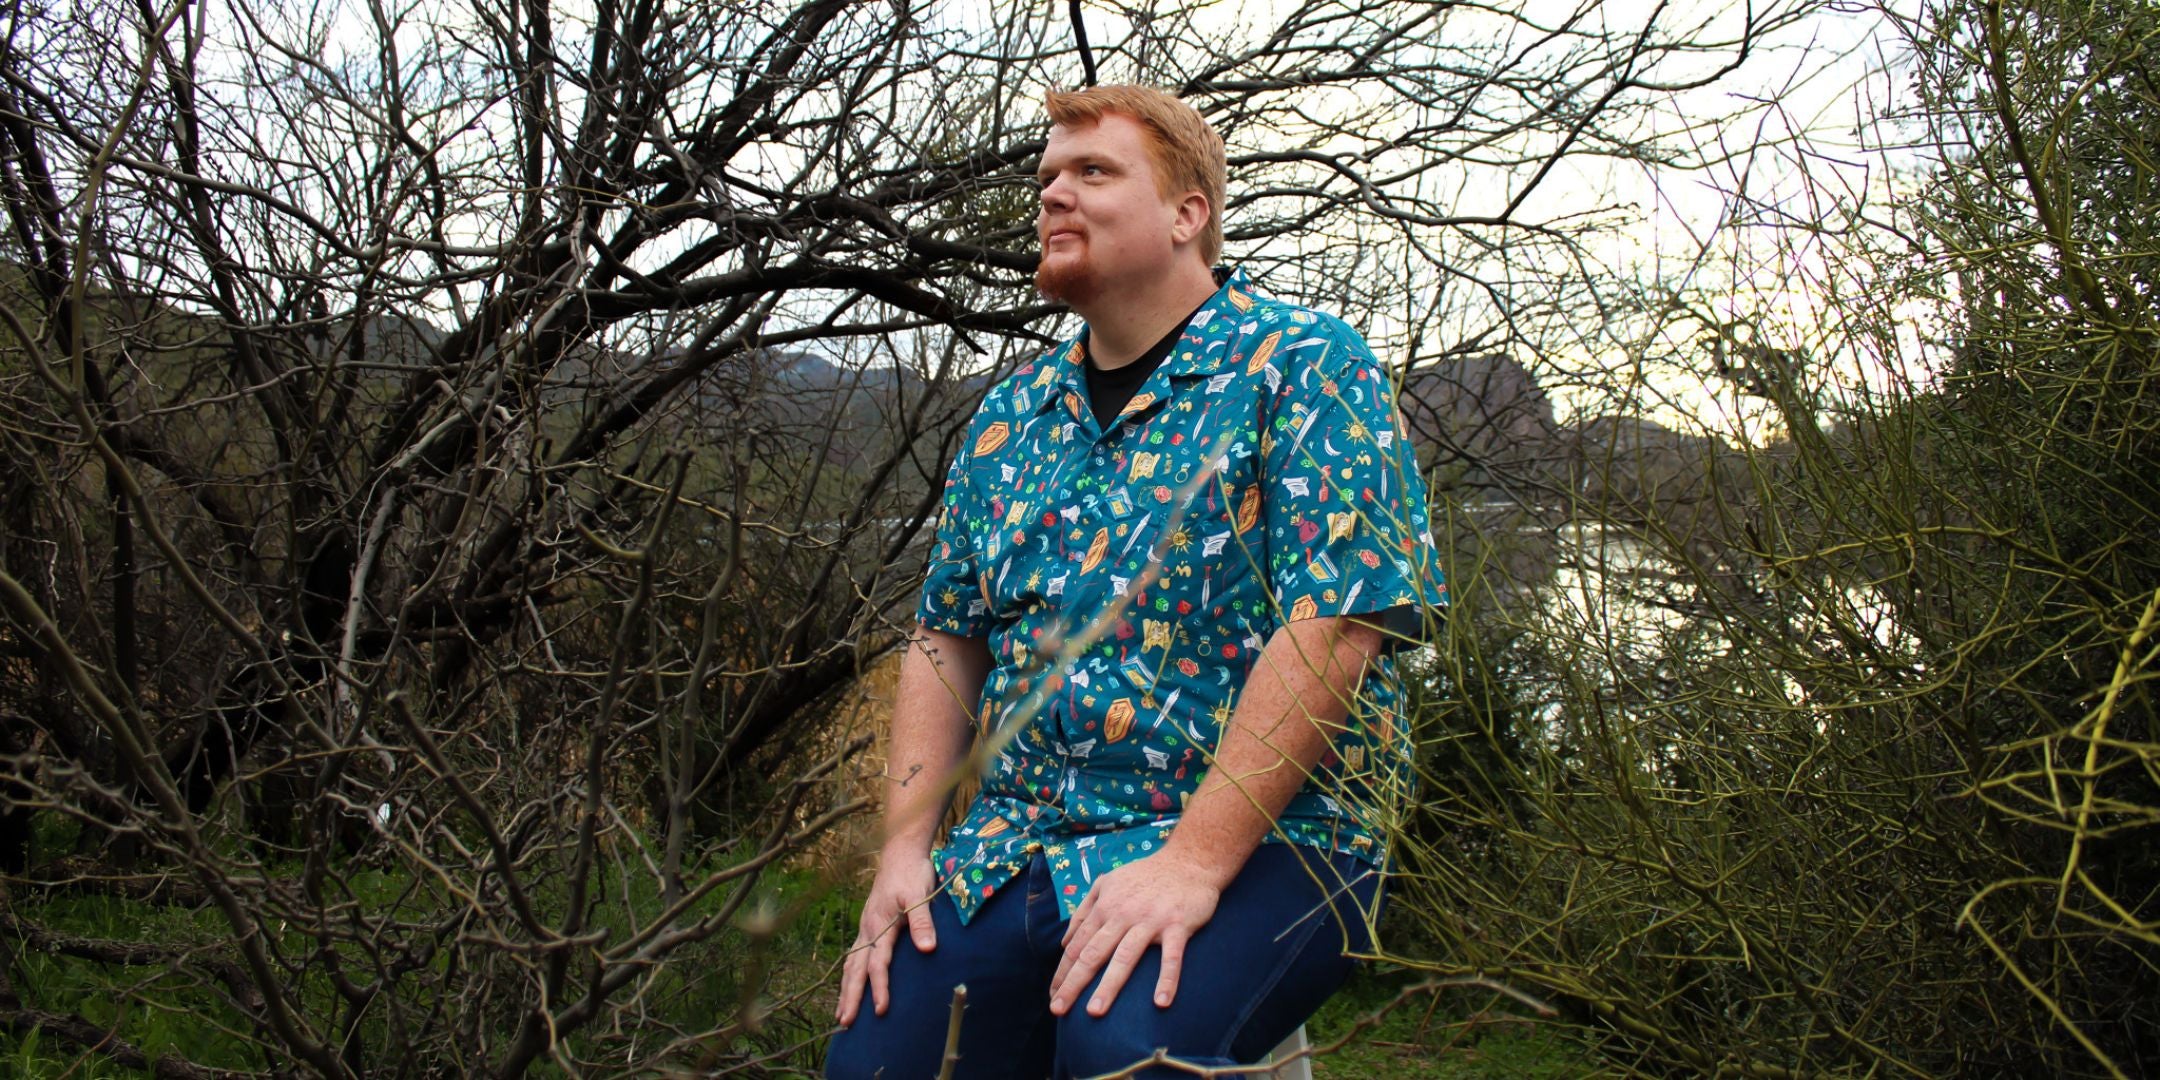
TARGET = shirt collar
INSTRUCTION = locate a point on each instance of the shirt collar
(1063, 375)
(1191, 356)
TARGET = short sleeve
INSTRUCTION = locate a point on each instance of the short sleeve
(1348, 530)
(952, 595)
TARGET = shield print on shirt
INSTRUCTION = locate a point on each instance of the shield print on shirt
(1198, 522)
(1125, 521)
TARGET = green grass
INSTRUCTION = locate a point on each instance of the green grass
(156, 1010)
(811, 923)
(161, 1012)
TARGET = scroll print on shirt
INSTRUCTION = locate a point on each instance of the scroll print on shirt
(1126, 579)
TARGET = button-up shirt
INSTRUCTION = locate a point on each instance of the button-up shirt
(1126, 579)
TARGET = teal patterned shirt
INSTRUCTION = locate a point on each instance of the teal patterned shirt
(1125, 581)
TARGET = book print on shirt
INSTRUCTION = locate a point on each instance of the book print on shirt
(1126, 579)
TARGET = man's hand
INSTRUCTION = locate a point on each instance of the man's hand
(901, 893)
(1160, 898)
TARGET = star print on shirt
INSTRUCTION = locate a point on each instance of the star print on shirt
(1125, 578)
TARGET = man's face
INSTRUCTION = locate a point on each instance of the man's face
(1103, 217)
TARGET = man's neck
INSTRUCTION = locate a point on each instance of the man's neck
(1123, 323)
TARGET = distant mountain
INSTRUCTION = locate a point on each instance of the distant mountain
(1483, 427)
(1633, 469)
(1481, 424)
(401, 340)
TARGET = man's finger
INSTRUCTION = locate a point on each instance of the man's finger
(851, 986)
(1083, 962)
(1075, 968)
(1057, 982)
(875, 928)
(922, 927)
(1081, 929)
(1065, 961)
(880, 963)
(1122, 962)
(1077, 938)
(1173, 962)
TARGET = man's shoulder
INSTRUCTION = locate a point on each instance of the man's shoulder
(1029, 381)
(1307, 336)
(1270, 311)
(1266, 313)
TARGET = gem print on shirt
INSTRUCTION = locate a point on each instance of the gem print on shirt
(1126, 580)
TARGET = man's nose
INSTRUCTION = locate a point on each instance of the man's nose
(1056, 195)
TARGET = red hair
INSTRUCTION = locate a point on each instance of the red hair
(1187, 153)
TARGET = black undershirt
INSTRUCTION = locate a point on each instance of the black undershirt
(1110, 391)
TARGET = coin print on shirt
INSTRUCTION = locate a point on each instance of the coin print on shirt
(1126, 579)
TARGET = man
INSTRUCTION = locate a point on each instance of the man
(1167, 554)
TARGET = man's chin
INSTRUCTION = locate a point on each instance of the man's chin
(1067, 281)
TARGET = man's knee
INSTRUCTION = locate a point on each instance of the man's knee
(1112, 1058)
(1124, 1041)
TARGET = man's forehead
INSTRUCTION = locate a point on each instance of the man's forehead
(1093, 141)
(1109, 127)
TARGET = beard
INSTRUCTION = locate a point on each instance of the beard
(1070, 279)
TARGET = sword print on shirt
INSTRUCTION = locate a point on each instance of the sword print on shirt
(1126, 579)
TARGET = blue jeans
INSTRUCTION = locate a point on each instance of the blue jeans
(1272, 953)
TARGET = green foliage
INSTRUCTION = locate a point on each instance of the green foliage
(158, 1010)
(1440, 1036)
(1833, 756)
(766, 975)
(1854, 773)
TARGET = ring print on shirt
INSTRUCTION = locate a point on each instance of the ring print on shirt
(1126, 579)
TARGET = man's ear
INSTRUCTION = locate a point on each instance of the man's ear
(1193, 212)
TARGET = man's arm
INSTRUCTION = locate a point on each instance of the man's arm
(941, 680)
(1292, 707)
